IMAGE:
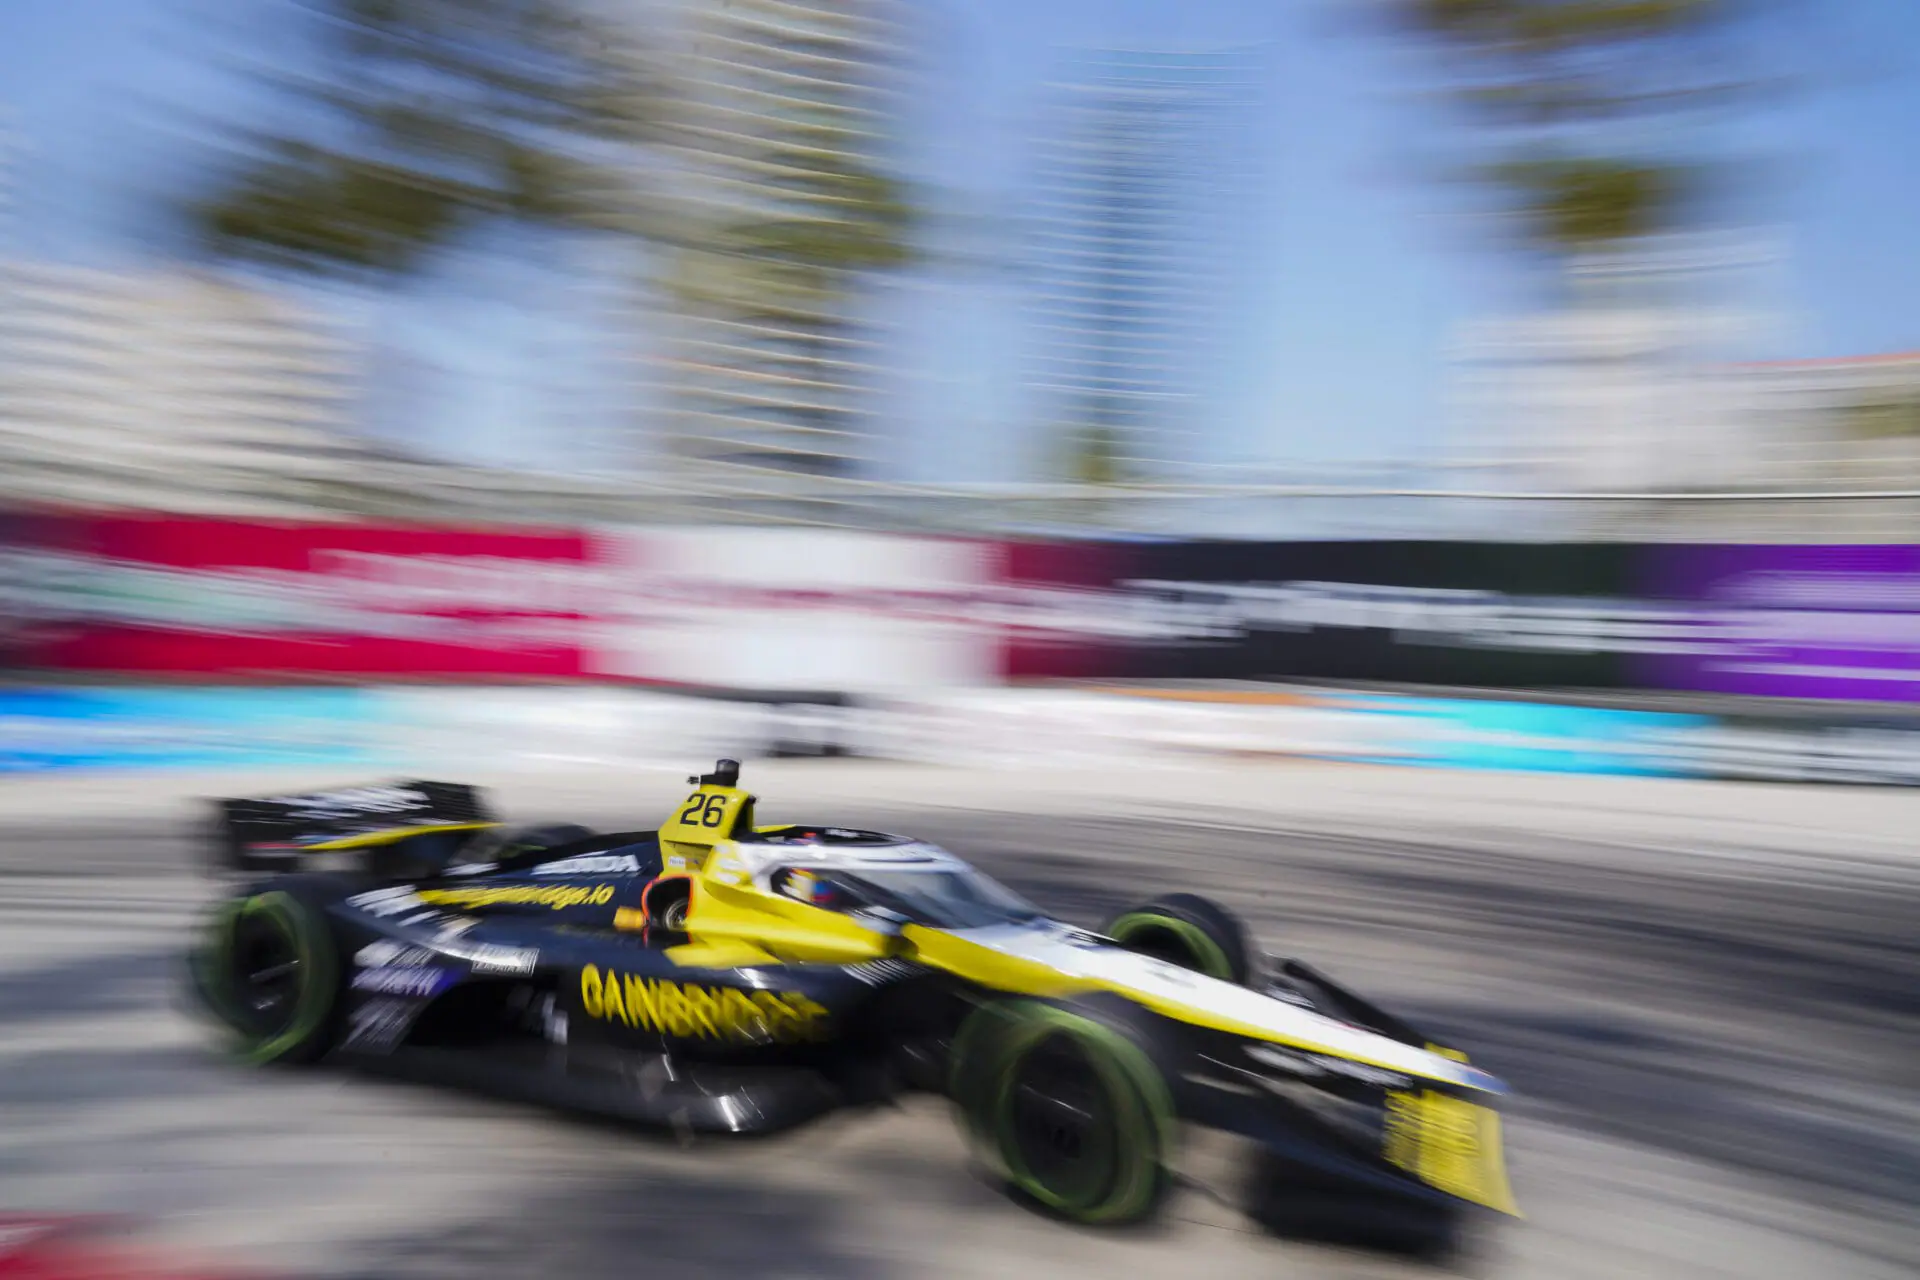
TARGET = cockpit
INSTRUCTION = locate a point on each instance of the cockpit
(944, 894)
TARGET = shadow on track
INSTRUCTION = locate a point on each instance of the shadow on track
(689, 1227)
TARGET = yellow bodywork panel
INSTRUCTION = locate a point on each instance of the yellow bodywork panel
(704, 819)
(721, 954)
(990, 968)
(727, 913)
(793, 932)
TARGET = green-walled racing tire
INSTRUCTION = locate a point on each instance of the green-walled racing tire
(1065, 1103)
(268, 967)
(1188, 930)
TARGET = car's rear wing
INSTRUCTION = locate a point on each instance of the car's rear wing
(283, 832)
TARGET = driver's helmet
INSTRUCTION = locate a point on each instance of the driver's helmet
(815, 888)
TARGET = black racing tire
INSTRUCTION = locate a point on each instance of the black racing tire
(1068, 1104)
(268, 967)
(1191, 931)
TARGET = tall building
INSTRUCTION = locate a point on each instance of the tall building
(1629, 384)
(780, 110)
(165, 389)
(1850, 420)
(1139, 174)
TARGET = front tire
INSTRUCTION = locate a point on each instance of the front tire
(268, 967)
(1190, 931)
(1066, 1104)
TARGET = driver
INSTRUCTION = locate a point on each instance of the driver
(814, 888)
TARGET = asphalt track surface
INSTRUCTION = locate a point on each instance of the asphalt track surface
(1714, 1037)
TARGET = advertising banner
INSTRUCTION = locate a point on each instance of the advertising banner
(1829, 622)
(1064, 612)
(1456, 613)
(801, 612)
(795, 611)
(1795, 622)
(154, 595)
(796, 616)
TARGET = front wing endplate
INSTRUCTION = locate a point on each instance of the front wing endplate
(1450, 1144)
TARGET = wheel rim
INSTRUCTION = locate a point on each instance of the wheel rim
(1061, 1123)
(266, 973)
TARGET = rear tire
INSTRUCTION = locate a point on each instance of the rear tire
(268, 967)
(1191, 931)
(1067, 1105)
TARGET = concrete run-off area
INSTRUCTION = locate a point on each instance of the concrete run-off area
(1706, 996)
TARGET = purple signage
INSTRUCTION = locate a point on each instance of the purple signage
(1789, 621)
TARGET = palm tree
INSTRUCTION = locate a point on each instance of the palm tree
(1575, 106)
(429, 119)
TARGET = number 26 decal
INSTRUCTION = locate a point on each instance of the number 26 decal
(704, 811)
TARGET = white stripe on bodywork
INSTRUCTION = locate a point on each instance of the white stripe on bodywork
(1080, 955)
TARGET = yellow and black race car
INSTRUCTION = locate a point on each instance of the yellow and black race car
(724, 975)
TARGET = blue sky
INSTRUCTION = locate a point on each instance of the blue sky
(1346, 289)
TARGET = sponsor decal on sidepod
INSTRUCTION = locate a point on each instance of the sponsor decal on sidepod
(691, 1010)
(554, 896)
(385, 953)
(487, 958)
(386, 902)
(417, 982)
(592, 864)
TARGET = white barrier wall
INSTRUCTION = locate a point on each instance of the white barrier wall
(555, 729)
(986, 727)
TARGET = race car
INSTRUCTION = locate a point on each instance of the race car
(727, 976)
